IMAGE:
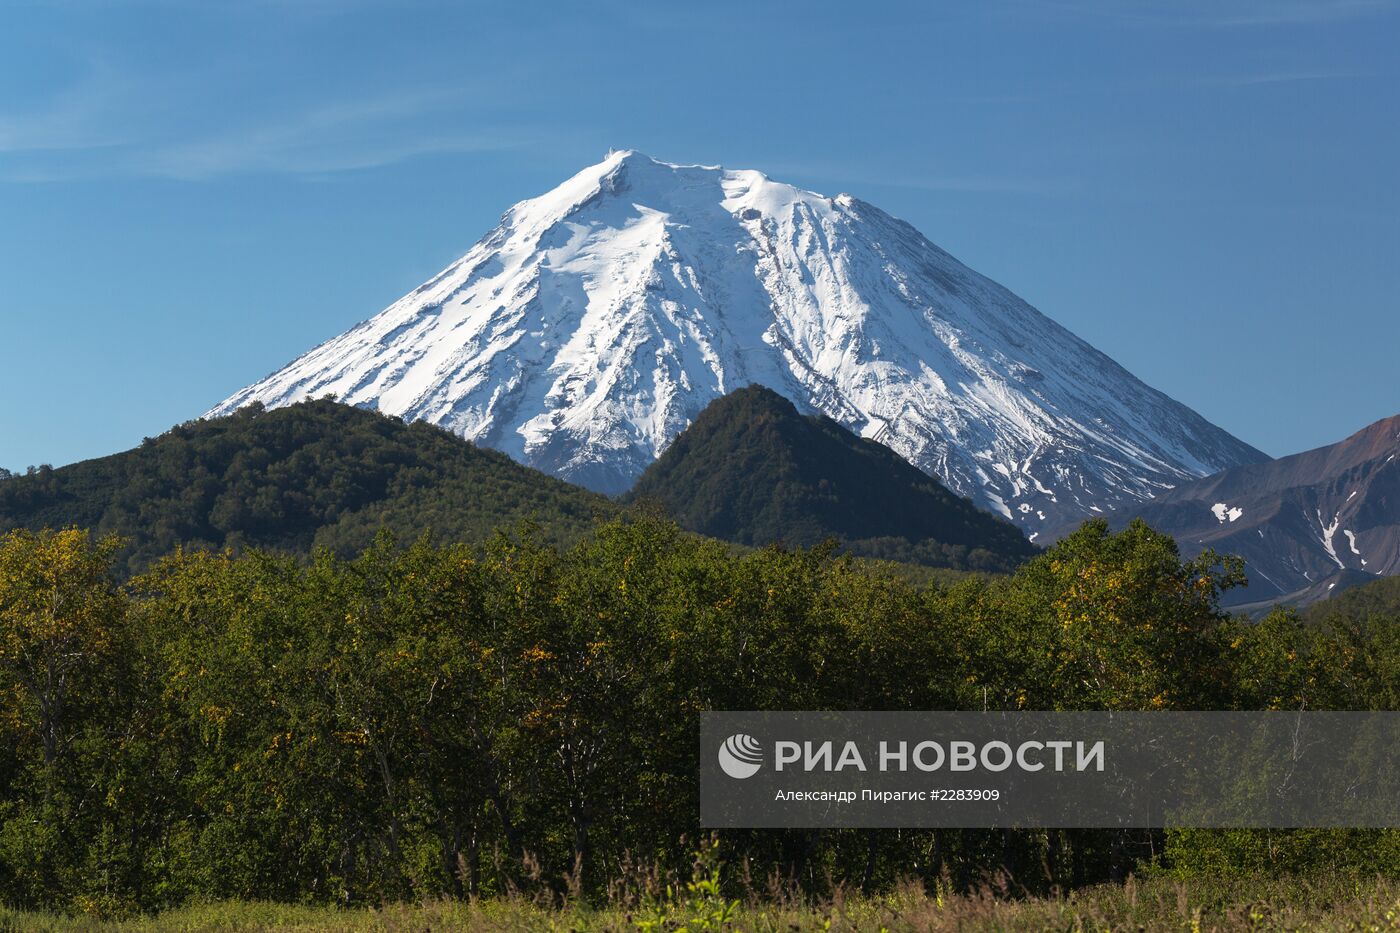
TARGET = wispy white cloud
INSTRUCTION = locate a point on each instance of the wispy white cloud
(1210, 13)
(985, 184)
(1273, 77)
(338, 136)
(996, 99)
(104, 125)
(920, 180)
(73, 118)
(1294, 12)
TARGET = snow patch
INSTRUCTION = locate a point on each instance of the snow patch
(1223, 512)
(1327, 532)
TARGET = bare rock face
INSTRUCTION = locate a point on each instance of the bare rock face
(1307, 525)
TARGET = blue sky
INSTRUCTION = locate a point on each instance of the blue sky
(193, 193)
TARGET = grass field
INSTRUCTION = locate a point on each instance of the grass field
(1155, 904)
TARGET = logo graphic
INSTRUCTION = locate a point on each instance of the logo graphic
(741, 756)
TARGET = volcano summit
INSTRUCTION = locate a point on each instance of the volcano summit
(596, 321)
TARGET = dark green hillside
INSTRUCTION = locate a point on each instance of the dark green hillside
(1377, 600)
(316, 473)
(752, 469)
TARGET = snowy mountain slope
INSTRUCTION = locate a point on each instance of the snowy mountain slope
(596, 321)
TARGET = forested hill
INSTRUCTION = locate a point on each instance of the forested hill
(752, 469)
(315, 473)
(1378, 600)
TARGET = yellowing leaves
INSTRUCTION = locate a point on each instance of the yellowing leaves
(217, 715)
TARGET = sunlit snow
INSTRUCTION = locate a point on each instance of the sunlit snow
(596, 321)
(1223, 512)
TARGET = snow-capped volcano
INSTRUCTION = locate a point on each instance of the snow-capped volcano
(596, 321)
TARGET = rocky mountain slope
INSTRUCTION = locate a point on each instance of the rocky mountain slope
(1306, 524)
